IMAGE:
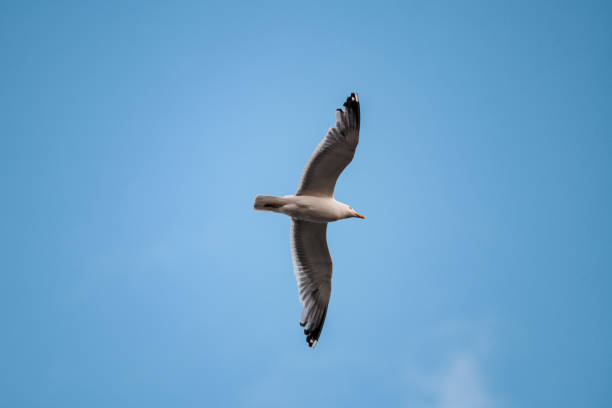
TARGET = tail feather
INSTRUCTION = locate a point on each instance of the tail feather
(268, 203)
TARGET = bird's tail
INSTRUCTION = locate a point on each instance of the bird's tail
(268, 203)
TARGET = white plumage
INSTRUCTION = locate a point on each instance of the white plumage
(311, 208)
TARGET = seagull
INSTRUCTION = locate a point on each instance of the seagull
(311, 208)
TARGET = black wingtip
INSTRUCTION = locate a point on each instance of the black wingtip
(352, 110)
(313, 332)
(352, 100)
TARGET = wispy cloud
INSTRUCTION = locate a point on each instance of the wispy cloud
(446, 368)
(461, 385)
(458, 378)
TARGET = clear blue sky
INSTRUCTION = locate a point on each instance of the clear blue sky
(135, 136)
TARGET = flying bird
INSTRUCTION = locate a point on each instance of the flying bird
(311, 208)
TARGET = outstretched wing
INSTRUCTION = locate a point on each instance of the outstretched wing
(333, 154)
(312, 265)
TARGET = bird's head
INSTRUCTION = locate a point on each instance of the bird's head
(353, 213)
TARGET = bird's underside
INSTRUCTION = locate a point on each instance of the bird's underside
(311, 208)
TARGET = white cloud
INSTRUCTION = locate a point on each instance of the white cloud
(461, 385)
(456, 377)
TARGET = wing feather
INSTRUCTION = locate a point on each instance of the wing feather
(313, 271)
(333, 153)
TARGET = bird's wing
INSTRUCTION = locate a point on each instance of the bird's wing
(312, 265)
(333, 154)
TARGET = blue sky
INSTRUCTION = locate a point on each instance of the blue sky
(135, 136)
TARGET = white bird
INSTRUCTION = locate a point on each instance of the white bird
(311, 208)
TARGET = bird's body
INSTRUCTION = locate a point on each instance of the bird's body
(306, 208)
(311, 208)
